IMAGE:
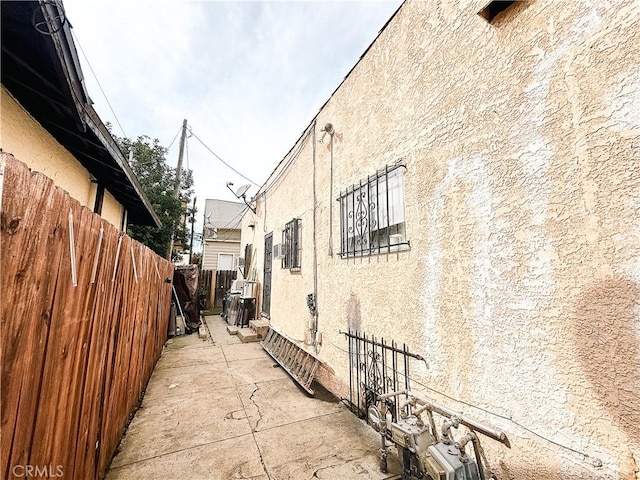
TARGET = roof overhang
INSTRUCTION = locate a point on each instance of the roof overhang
(41, 69)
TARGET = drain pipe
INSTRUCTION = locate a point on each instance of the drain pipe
(328, 128)
(313, 327)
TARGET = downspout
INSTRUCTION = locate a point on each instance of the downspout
(313, 327)
(331, 194)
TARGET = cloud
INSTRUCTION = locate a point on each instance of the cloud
(248, 76)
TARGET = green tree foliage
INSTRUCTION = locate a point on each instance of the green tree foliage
(157, 179)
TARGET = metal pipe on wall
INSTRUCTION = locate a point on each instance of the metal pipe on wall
(313, 327)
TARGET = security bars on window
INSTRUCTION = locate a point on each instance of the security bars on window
(372, 214)
(291, 241)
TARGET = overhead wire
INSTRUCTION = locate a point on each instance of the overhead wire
(174, 138)
(221, 160)
(186, 150)
(238, 216)
(290, 160)
(98, 82)
(234, 227)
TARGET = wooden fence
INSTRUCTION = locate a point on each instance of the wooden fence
(224, 279)
(204, 288)
(79, 336)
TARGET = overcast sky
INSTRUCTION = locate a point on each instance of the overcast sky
(248, 76)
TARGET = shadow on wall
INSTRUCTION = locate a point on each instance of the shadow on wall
(608, 348)
(353, 313)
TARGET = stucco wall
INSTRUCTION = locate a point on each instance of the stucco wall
(25, 138)
(22, 136)
(288, 198)
(522, 285)
(112, 210)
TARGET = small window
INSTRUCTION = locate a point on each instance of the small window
(291, 241)
(372, 215)
(493, 9)
(225, 261)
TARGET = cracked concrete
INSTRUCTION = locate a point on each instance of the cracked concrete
(221, 409)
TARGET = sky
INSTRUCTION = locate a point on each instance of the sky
(248, 76)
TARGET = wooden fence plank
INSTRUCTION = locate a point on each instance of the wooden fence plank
(31, 249)
(224, 279)
(58, 410)
(75, 359)
(89, 428)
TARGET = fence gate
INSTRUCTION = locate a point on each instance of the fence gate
(375, 368)
(224, 278)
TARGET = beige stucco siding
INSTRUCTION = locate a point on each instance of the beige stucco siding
(29, 142)
(292, 198)
(112, 210)
(521, 142)
(25, 138)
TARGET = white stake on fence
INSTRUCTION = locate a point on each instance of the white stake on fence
(155, 264)
(133, 260)
(95, 260)
(2, 167)
(115, 265)
(72, 251)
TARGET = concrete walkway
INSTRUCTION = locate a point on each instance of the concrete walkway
(222, 409)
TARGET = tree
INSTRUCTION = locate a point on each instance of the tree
(158, 180)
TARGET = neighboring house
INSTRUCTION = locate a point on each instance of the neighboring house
(48, 122)
(221, 238)
(476, 197)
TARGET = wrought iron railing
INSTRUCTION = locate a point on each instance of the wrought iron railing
(376, 367)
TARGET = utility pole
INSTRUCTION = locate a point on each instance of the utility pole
(176, 189)
(193, 222)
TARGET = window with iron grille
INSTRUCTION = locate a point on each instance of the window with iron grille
(291, 240)
(372, 215)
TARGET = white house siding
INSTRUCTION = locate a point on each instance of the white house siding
(228, 241)
(522, 285)
(211, 250)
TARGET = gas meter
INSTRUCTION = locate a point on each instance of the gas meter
(427, 453)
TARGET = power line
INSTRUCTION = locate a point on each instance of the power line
(225, 163)
(174, 138)
(186, 147)
(236, 225)
(291, 159)
(99, 85)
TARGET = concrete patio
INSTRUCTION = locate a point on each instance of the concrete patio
(217, 408)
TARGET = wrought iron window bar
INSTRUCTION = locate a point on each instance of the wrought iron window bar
(360, 217)
(291, 240)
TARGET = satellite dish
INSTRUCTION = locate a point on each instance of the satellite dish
(242, 190)
(240, 193)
